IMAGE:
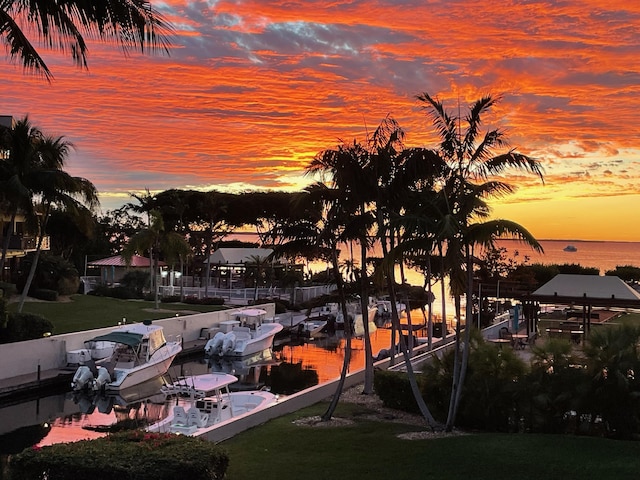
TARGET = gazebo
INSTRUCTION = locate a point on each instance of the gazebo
(586, 291)
(229, 261)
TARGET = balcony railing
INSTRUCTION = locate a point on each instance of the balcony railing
(26, 243)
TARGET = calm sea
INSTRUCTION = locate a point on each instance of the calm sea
(602, 255)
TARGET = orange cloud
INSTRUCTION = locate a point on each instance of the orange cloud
(253, 90)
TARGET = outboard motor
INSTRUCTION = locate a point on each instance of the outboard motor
(228, 344)
(214, 345)
(102, 379)
(83, 378)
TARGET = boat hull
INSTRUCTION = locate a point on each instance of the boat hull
(126, 378)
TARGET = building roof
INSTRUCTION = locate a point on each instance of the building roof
(591, 289)
(238, 256)
(118, 261)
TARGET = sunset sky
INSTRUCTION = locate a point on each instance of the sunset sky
(252, 90)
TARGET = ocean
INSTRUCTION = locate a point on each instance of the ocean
(601, 255)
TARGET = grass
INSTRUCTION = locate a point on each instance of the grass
(279, 449)
(86, 312)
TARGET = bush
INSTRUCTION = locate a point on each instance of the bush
(136, 281)
(170, 299)
(52, 273)
(124, 456)
(45, 294)
(394, 390)
(204, 301)
(26, 326)
(122, 293)
(9, 289)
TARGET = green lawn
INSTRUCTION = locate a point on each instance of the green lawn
(86, 312)
(371, 450)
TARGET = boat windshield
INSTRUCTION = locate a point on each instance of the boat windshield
(156, 340)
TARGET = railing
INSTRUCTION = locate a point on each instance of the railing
(26, 243)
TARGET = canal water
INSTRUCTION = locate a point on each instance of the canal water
(293, 365)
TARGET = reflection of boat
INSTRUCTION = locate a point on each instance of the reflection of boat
(384, 308)
(251, 370)
(356, 317)
(246, 334)
(141, 353)
(146, 392)
(312, 328)
(202, 415)
(570, 248)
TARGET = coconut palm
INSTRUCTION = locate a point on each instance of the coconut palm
(157, 241)
(344, 168)
(63, 25)
(53, 188)
(317, 235)
(474, 167)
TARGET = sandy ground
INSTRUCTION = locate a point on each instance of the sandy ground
(379, 414)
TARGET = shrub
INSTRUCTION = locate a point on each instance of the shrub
(53, 273)
(170, 299)
(9, 289)
(204, 301)
(45, 294)
(26, 326)
(394, 390)
(123, 293)
(136, 281)
(124, 456)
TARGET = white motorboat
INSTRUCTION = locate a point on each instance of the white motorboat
(246, 334)
(570, 248)
(201, 415)
(311, 328)
(140, 353)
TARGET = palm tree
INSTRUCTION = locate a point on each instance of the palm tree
(317, 235)
(21, 145)
(53, 188)
(473, 165)
(62, 25)
(156, 240)
(345, 169)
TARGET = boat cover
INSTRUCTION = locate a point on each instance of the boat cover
(127, 338)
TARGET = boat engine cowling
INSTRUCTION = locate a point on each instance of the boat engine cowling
(83, 378)
(228, 343)
(102, 379)
(214, 345)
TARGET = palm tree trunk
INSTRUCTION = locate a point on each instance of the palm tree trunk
(364, 304)
(34, 264)
(5, 244)
(430, 306)
(424, 410)
(455, 383)
(467, 337)
(347, 335)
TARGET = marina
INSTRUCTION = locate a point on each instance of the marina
(290, 368)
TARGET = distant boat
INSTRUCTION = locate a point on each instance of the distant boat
(570, 248)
